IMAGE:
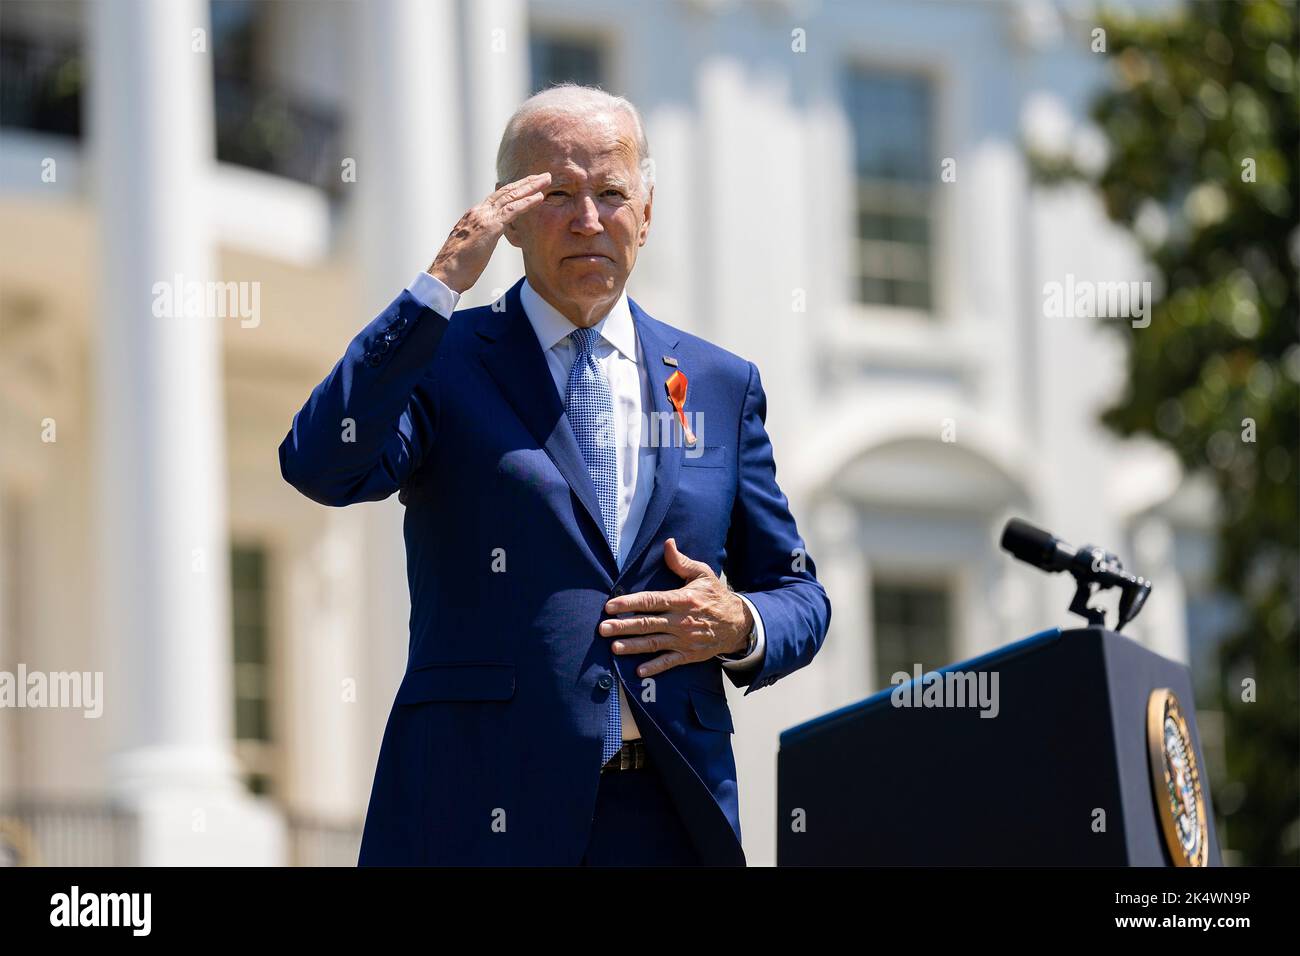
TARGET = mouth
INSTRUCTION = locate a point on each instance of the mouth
(588, 257)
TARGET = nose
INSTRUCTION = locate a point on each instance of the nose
(587, 219)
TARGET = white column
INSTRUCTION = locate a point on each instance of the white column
(495, 45)
(835, 541)
(758, 282)
(331, 715)
(164, 556)
(409, 143)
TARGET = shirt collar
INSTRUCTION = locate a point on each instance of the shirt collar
(552, 327)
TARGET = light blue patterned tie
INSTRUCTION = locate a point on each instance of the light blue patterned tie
(590, 408)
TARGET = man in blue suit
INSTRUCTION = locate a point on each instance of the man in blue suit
(576, 476)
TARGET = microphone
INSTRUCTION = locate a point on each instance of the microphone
(1092, 567)
(1035, 546)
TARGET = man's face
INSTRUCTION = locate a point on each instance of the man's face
(580, 243)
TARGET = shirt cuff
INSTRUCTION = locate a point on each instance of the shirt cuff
(432, 293)
(750, 660)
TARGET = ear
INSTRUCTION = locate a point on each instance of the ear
(511, 232)
(646, 212)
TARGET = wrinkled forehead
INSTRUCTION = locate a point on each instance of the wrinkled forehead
(596, 144)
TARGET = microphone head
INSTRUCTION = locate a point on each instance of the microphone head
(1133, 596)
(1029, 543)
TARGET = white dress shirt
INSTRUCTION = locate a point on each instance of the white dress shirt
(618, 355)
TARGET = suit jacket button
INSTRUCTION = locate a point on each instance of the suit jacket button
(618, 592)
(605, 682)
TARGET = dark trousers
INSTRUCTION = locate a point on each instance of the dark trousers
(637, 824)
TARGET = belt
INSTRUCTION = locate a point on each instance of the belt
(631, 756)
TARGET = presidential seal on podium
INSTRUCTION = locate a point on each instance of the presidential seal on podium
(1176, 780)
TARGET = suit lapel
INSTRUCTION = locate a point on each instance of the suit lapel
(668, 458)
(514, 359)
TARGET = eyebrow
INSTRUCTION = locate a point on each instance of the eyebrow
(611, 181)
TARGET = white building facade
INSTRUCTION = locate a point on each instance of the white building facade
(842, 197)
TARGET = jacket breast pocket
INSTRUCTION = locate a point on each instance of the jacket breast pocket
(468, 681)
(711, 709)
(710, 456)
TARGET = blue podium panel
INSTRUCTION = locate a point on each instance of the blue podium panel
(1036, 754)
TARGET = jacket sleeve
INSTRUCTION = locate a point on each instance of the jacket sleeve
(767, 559)
(368, 425)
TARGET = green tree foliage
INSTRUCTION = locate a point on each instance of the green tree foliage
(1200, 114)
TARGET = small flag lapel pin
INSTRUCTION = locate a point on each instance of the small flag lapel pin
(676, 386)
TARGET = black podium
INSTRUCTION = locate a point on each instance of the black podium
(1085, 760)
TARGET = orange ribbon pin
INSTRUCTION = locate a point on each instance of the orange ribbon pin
(676, 386)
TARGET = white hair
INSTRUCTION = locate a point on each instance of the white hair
(569, 99)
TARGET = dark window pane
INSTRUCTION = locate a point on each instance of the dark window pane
(250, 633)
(259, 123)
(891, 114)
(873, 290)
(42, 79)
(911, 229)
(872, 225)
(912, 625)
(554, 59)
(250, 719)
(912, 295)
